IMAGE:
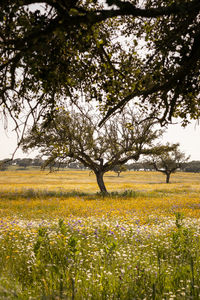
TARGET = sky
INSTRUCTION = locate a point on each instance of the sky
(189, 139)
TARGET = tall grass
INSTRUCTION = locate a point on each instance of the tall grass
(79, 259)
(59, 243)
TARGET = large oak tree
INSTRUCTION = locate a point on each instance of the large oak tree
(72, 48)
(74, 136)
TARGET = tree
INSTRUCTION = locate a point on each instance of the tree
(75, 136)
(192, 166)
(136, 166)
(68, 48)
(74, 165)
(5, 163)
(37, 161)
(25, 162)
(119, 169)
(168, 162)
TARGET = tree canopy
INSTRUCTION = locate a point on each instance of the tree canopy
(112, 51)
(74, 136)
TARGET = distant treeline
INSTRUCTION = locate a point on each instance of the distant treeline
(23, 163)
(192, 166)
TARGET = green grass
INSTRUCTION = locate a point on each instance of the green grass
(90, 260)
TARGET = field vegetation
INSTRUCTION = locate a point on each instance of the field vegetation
(61, 239)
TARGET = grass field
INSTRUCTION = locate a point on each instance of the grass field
(60, 239)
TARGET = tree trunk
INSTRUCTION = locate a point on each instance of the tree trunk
(167, 177)
(102, 187)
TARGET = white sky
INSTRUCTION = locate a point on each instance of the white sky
(189, 139)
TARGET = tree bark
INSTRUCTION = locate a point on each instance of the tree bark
(167, 177)
(102, 187)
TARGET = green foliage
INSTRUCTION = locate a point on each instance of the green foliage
(179, 219)
(4, 164)
(64, 50)
(119, 169)
(41, 194)
(62, 261)
(168, 160)
(192, 166)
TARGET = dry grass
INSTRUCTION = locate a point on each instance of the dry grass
(82, 181)
(47, 195)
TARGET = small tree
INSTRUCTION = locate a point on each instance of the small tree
(25, 162)
(37, 161)
(119, 169)
(77, 136)
(169, 161)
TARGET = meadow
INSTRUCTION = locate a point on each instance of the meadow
(61, 239)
